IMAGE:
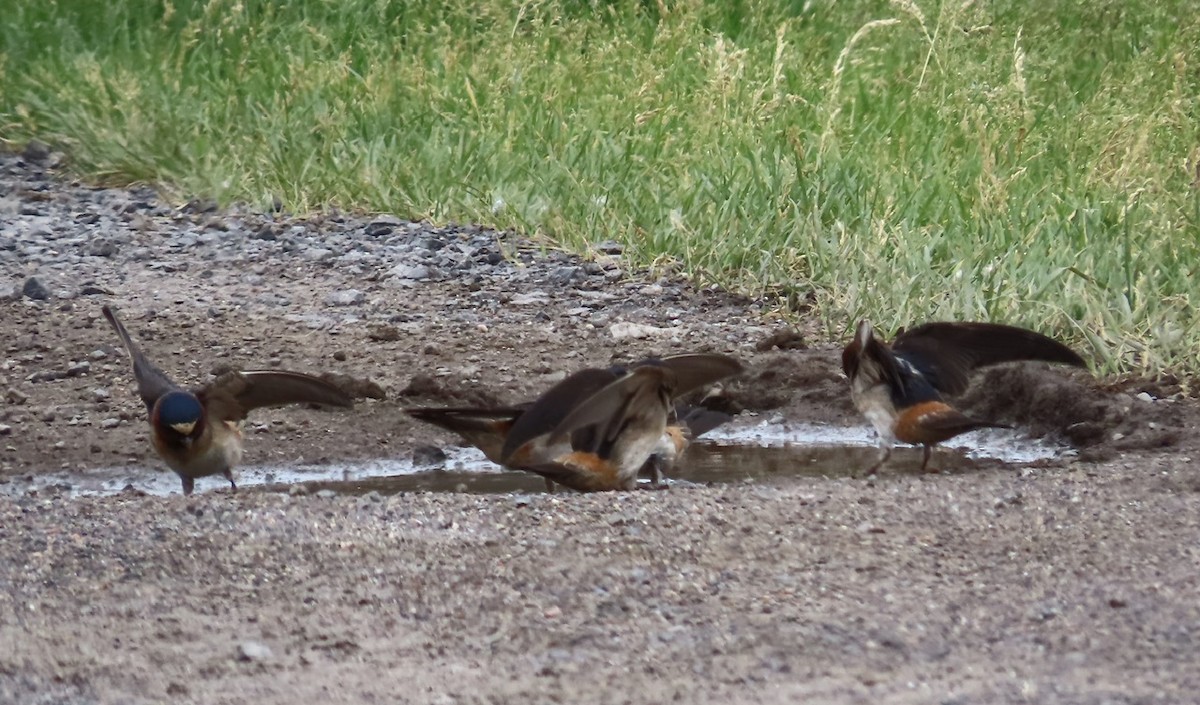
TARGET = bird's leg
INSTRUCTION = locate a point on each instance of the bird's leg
(657, 480)
(549, 485)
(189, 485)
(229, 476)
(883, 458)
(925, 459)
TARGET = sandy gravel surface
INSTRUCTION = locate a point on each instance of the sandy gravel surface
(1076, 581)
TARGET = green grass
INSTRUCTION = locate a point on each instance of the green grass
(1034, 163)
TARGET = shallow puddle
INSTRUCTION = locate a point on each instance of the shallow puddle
(744, 453)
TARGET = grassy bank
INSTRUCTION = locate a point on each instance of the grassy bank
(1033, 163)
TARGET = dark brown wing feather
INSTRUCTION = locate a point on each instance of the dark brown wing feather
(642, 391)
(152, 382)
(695, 370)
(699, 421)
(544, 415)
(469, 419)
(946, 353)
(234, 394)
(484, 428)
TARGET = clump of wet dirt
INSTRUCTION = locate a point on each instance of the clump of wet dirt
(809, 382)
(356, 387)
(448, 392)
(1072, 406)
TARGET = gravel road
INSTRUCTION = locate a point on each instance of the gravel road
(1070, 581)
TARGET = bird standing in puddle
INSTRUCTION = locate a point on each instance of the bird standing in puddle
(198, 433)
(899, 388)
(598, 428)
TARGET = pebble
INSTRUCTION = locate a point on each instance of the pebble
(427, 456)
(383, 333)
(345, 297)
(410, 272)
(35, 289)
(623, 330)
(248, 651)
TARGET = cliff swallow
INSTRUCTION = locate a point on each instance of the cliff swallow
(590, 434)
(899, 388)
(490, 428)
(198, 433)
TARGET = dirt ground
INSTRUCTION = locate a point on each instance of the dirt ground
(1076, 581)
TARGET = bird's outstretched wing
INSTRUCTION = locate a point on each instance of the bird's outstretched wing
(234, 394)
(946, 353)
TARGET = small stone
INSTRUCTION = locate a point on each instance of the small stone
(383, 332)
(379, 228)
(16, 396)
(34, 289)
(110, 423)
(98, 355)
(101, 394)
(93, 290)
(266, 232)
(565, 275)
(198, 205)
(339, 355)
(79, 368)
(297, 490)
(410, 272)
(45, 376)
(426, 456)
(326, 494)
(345, 297)
(248, 651)
(530, 298)
(318, 254)
(102, 248)
(5, 429)
(625, 329)
(610, 247)
(36, 152)
(1144, 396)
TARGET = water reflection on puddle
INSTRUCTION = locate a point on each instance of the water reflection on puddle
(759, 452)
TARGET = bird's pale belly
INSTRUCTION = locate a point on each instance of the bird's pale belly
(221, 454)
(875, 403)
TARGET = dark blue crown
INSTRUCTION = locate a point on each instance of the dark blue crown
(176, 408)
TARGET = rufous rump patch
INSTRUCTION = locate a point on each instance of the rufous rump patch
(591, 471)
(919, 423)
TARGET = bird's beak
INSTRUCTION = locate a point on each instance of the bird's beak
(184, 429)
(864, 334)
